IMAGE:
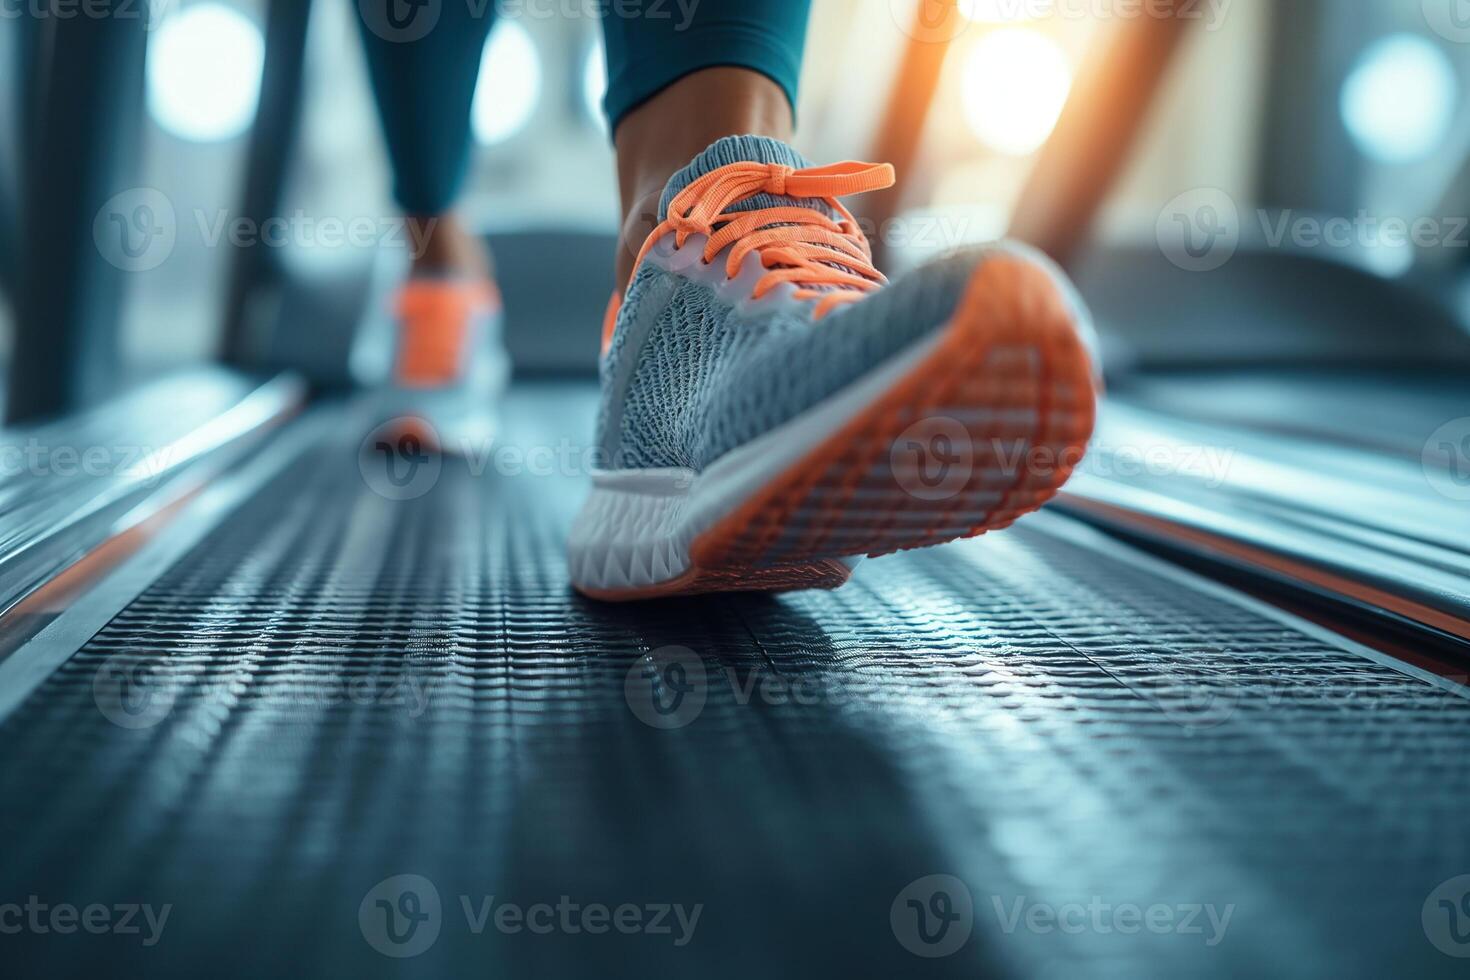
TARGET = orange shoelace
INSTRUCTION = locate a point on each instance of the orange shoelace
(828, 260)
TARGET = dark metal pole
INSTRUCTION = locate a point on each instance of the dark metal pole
(9, 227)
(14, 52)
(1308, 160)
(83, 114)
(277, 123)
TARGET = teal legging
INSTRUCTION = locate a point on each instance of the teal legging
(424, 58)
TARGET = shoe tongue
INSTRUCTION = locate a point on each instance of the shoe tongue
(743, 149)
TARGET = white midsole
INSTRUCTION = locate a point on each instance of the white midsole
(637, 526)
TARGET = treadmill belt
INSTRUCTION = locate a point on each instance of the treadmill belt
(1131, 772)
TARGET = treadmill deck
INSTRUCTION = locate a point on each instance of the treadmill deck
(338, 688)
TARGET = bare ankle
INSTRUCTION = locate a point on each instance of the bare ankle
(660, 137)
(440, 245)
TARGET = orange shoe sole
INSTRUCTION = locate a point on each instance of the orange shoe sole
(1006, 397)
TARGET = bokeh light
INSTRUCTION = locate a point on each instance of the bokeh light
(1399, 101)
(594, 83)
(204, 66)
(509, 85)
(1016, 82)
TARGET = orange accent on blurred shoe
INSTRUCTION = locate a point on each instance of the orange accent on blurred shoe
(434, 317)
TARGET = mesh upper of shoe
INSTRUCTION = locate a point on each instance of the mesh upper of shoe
(707, 379)
(689, 376)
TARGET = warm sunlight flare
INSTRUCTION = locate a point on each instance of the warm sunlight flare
(1015, 84)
